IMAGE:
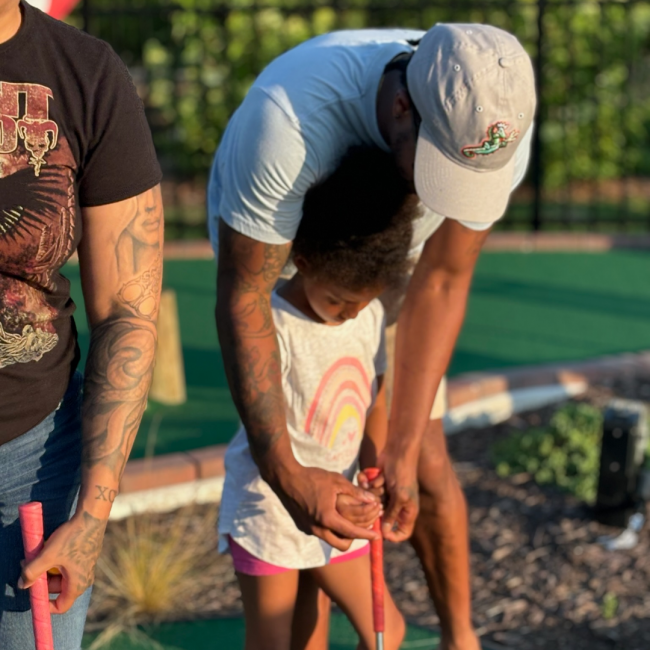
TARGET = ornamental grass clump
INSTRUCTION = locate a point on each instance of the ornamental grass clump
(153, 568)
(566, 453)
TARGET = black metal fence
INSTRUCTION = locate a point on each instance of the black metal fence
(194, 60)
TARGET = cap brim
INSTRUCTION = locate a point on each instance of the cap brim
(457, 192)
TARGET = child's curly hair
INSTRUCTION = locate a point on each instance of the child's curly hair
(356, 227)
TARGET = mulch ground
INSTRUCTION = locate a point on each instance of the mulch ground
(540, 579)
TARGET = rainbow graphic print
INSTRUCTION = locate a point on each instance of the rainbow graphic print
(338, 411)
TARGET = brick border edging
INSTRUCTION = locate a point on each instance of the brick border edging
(564, 241)
(171, 469)
(208, 462)
(478, 385)
(201, 249)
(497, 241)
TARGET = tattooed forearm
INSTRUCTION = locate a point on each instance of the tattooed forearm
(104, 493)
(139, 244)
(120, 259)
(118, 376)
(247, 274)
(258, 387)
(138, 255)
(123, 337)
(140, 295)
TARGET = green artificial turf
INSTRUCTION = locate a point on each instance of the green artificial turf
(524, 309)
(228, 633)
(545, 307)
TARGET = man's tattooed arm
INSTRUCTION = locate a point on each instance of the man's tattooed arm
(248, 271)
(118, 376)
(104, 493)
(123, 333)
(120, 259)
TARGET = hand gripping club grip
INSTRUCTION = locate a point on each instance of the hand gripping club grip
(31, 523)
(377, 566)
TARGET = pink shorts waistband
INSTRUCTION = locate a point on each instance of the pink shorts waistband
(250, 565)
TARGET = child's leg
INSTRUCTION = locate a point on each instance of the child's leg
(269, 603)
(348, 585)
(311, 616)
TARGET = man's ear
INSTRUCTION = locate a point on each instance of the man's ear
(402, 104)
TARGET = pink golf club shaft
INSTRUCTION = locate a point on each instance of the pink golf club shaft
(377, 573)
(31, 523)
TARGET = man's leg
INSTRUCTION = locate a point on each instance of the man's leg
(441, 540)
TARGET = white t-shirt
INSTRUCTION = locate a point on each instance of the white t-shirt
(298, 120)
(329, 379)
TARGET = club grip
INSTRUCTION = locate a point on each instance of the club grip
(376, 566)
(31, 523)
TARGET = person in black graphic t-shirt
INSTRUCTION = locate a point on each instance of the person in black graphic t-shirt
(78, 172)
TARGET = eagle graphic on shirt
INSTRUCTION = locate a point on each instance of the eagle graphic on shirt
(37, 220)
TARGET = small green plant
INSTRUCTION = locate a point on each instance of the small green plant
(566, 453)
(609, 606)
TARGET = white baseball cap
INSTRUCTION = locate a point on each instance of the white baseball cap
(474, 88)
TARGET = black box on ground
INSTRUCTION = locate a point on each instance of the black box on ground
(625, 436)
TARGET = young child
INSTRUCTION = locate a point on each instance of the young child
(351, 245)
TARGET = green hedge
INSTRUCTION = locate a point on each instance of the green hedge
(194, 61)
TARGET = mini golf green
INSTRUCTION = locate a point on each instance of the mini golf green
(228, 633)
(524, 309)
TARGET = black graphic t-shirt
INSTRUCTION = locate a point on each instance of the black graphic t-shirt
(72, 134)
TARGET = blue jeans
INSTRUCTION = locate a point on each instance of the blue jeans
(43, 465)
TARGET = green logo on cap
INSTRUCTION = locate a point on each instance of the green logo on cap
(496, 138)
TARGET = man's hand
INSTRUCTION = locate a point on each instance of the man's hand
(73, 549)
(400, 472)
(311, 495)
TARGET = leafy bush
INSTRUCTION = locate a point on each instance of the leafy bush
(196, 59)
(566, 453)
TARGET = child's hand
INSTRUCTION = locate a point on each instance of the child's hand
(375, 486)
(360, 514)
